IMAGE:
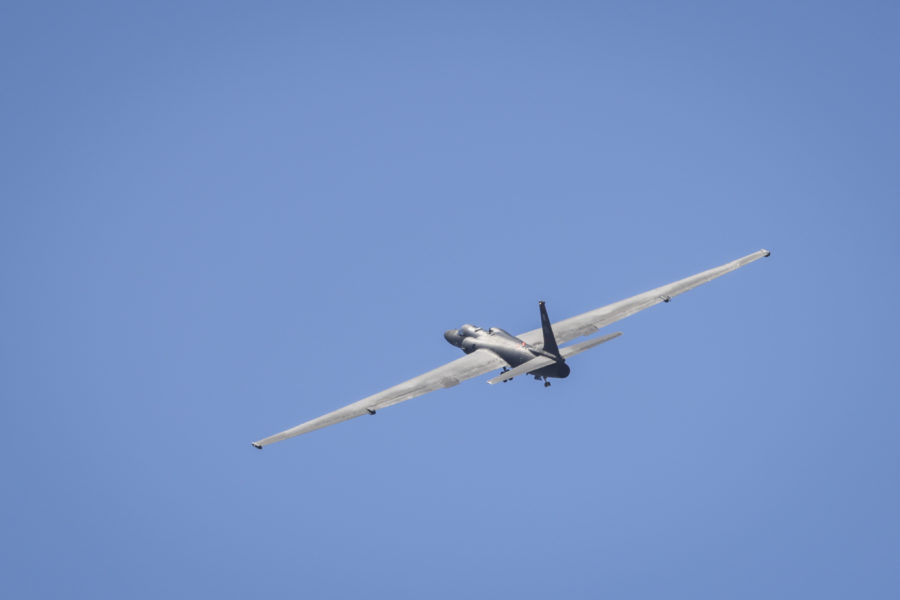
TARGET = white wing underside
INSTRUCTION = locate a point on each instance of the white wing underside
(448, 375)
(483, 361)
(589, 322)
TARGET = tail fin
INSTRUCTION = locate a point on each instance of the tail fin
(549, 339)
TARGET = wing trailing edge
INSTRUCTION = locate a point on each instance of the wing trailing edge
(534, 364)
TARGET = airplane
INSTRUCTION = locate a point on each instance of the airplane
(536, 353)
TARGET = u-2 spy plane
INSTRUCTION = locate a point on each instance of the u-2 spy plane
(535, 352)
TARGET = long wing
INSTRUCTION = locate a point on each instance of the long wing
(471, 365)
(589, 322)
(482, 361)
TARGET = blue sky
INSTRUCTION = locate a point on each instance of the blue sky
(221, 219)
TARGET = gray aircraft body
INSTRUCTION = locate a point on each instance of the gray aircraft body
(536, 353)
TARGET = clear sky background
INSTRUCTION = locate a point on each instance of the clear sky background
(219, 220)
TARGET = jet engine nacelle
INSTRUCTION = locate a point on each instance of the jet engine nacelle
(469, 344)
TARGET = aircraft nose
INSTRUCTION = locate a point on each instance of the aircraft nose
(452, 336)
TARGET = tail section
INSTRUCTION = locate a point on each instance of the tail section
(549, 339)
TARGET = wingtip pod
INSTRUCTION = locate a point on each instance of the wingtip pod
(256, 445)
(766, 253)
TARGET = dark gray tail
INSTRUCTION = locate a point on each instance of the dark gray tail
(549, 339)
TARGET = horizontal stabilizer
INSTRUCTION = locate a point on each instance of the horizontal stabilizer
(587, 345)
(532, 365)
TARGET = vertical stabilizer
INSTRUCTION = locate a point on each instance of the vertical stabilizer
(549, 339)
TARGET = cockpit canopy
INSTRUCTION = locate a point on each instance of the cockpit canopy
(469, 330)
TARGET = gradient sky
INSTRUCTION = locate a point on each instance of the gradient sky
(221, 219)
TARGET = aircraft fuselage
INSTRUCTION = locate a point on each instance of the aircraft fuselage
(514, 351)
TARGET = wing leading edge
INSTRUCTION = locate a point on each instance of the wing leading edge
(467, 367)
(482, 361)
(589, 322)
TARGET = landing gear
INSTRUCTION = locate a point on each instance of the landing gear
(539, 377)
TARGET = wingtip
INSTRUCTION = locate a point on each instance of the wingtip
(256, 445)
(766, 253)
